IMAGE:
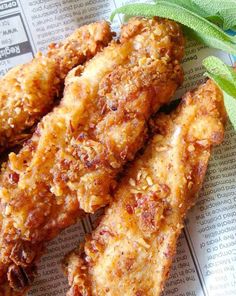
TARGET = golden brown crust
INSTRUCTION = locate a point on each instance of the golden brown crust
(73, 158)
(131, 250)
(28, 91)
(81, 46)
(5, 290)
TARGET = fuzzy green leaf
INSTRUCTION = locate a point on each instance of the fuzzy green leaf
(230, 106)
(188, 4)
(219, 68)
(214, 6)
(229, 17)
(224, 84)
(225, 78)
(216, 19)
(226, 10)
(219, 12)
(210, 42)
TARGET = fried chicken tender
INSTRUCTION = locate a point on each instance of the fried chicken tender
(28, 91)
(71, 162)
(131, 250)
(5, 290)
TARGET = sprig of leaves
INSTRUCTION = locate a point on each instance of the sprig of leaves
(224, 10)
(225, 77)
(220, 12)
(206, 30)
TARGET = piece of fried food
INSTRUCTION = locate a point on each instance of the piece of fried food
(74, 156)
(5, 290)
(28, 91)
(130, 252)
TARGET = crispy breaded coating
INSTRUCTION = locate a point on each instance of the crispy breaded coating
(131, 250)
(28, 91)
(5, 290)
(73, 158)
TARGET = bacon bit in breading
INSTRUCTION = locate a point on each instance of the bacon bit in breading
(129, 209)
(13, 178)
(129, 262)
(106, 232)
(166, 190)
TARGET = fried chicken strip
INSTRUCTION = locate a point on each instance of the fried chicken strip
(5, 290)
(28, 91)
(131, 250)
(73, 158)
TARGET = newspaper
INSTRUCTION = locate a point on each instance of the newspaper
(205, 263)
